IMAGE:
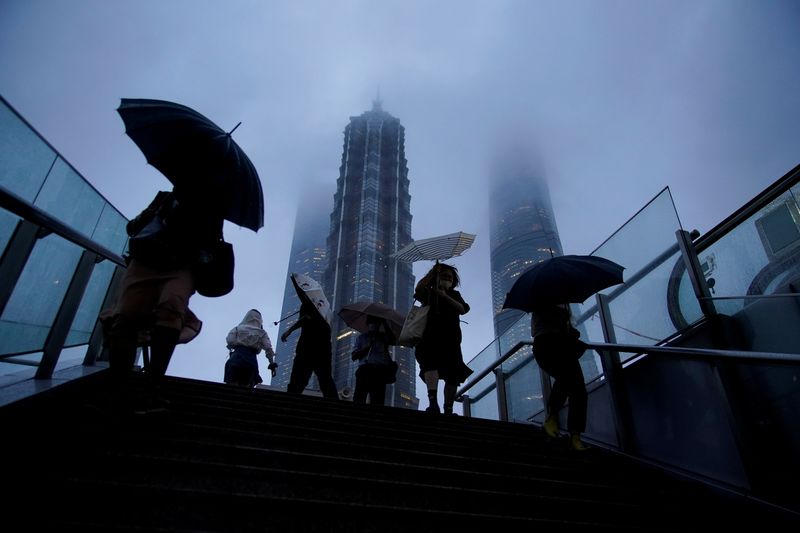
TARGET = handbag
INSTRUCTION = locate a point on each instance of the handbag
(154, 245)
(213, 271)
(414, 326)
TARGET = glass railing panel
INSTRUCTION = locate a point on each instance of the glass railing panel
(68, 197)
(485, 357)
(8, 222)
(38, 294)
(644, 237)
(591, 327)
(523, 386)
(24, 157)
(761, 255)
(641, 314)
(110, 230)
(15, 372)
(86, 316)
(485, 406)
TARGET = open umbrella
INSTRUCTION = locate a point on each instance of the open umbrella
(193, 152)
(435, 248)
(355, 315)
(563, 279)
(310, 291)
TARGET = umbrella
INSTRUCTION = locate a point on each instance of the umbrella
(435, 248)
(310, 291)
(355, 315)
(563, 279)
(191, 151)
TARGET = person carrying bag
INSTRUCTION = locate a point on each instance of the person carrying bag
(376, 369)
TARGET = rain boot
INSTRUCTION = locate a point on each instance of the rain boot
(550, 427)
(576, 444)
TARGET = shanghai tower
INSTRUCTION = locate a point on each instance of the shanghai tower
(371, 220)
(522, 233)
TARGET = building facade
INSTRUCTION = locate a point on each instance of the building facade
(371, 219)
(309, 257)
(523, 232)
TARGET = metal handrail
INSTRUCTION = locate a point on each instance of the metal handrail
(683, 352)
(21, 208)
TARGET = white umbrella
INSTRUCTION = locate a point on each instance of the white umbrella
(435, 248)
(309, 289)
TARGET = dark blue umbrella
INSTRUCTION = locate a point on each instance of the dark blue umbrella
(196, 155)
(561, 280)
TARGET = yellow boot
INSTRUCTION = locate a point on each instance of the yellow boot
(550, 427)
(576, 444)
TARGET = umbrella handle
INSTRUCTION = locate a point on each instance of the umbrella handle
(287, 316)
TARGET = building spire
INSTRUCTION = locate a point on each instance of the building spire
(377, 104)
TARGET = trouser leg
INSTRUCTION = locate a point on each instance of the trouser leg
(377, 391)
(360, 394)
(301, 373)
(322, 369)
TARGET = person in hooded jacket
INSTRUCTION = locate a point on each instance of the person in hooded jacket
(245, 342)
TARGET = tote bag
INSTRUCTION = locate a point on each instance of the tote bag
(414, 326)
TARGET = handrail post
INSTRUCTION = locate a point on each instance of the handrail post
(695, 273)
(612, 368)
(466, 406)
(65, 316)
(500, 384)
(15, 258)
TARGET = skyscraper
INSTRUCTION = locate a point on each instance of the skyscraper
(308, 256)
(522, 232)
(371, 219)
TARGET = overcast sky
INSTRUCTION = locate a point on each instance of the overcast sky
(617, 99)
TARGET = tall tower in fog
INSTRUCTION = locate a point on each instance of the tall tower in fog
(308, 256)
(523, 229)
(522, 232)
(371, 219)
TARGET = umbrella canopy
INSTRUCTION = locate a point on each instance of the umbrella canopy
(435, 248)
(355, 315)
(561, 280)
(191, 151)
(310, 291)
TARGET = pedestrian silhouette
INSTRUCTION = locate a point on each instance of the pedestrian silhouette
(312, 353)
(439, 352)
(557, 349)
(171, 235)
(245, 342)
(375, 367)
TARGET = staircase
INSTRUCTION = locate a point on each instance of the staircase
(228, 459)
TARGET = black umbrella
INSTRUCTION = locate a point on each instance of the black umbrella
(561, 280)
(191, 151)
